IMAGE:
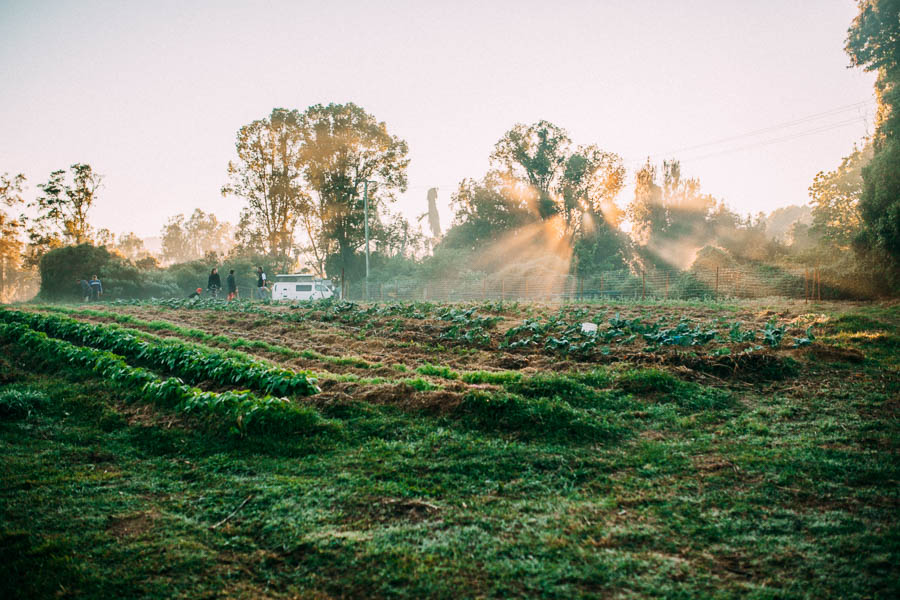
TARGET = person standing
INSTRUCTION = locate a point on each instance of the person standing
(85, 290)
(261, 284)
(214, 283)
(232, 285)
(96, 288)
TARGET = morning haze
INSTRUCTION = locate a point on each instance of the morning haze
(151, 95)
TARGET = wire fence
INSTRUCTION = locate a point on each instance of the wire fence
(709, 283)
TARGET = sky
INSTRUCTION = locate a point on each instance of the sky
(754, 98)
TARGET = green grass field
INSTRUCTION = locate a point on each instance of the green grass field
(437, 461)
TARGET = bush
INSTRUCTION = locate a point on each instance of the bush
(62, 269)
(20, 401)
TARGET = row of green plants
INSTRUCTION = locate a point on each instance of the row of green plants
(202, 336)
(240, 411)
(559, 334)
(185, 360)
(343, 311)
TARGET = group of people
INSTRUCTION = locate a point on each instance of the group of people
(91, 290)
(214, 285)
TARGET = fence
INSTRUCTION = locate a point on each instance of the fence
(759, 282)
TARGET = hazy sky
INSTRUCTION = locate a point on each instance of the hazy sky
(152, 93)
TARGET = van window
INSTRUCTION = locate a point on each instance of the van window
(304, 287)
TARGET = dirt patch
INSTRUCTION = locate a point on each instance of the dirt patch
(709, 464)
(406, 396)
(836, 354)
(148, 416)
(131, 525)
(385, 510)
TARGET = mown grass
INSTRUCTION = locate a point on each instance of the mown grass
(619, 482)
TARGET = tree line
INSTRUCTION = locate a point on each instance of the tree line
(304, 178)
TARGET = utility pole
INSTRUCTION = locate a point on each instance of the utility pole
(366, 209)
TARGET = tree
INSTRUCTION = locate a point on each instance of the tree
(343, 147)
(834, 197)
(687, 208)
(190, 239)
(647, 211)
(268, 176)
(589, 185)
(487, 210)
(873, 43)
(579, 185)
(63, 208)
(11, 228)
(175, 246)
(131, 246)
(536, 154)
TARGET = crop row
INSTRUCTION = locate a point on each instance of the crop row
(185, 360)
(241, 410)
(567, 337)
(342, 311)
(235, 343)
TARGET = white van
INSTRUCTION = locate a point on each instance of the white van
(297, 286)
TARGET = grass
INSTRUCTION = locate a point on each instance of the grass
(612, 482)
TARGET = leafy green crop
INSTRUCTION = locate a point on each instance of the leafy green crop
(182, 359)
(241, 410)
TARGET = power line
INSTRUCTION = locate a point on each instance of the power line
(792, 136)
(784, 125)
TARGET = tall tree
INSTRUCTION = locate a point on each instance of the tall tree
(687, 207)
(343, 147)
(196, 237)
(647, 211)
(131, 246)
(835, 200)
(175, 245)
(64, 206)
(536, 154)
(588, 188)
(873, 43)
(11, 229)
(486, 210)
(268, 176)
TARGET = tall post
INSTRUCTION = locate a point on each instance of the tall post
(366, 210)
(717, 283)
(667, 285)
(806, 285)
(643, 285)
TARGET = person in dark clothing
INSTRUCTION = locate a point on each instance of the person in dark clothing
(214, 284)
(195, 294)
(85, 290)
(232, 285)
(96, 288)
(261, 284)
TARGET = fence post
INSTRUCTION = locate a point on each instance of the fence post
(806, 285)
(425, 293)
(643, 285)
(580, 288)
(818, 285)
(601, 286)
(381, 291)
(667, 285)
(717, 283)
(525, 294)
(483, 288)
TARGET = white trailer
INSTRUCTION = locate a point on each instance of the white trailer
(299, 286)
